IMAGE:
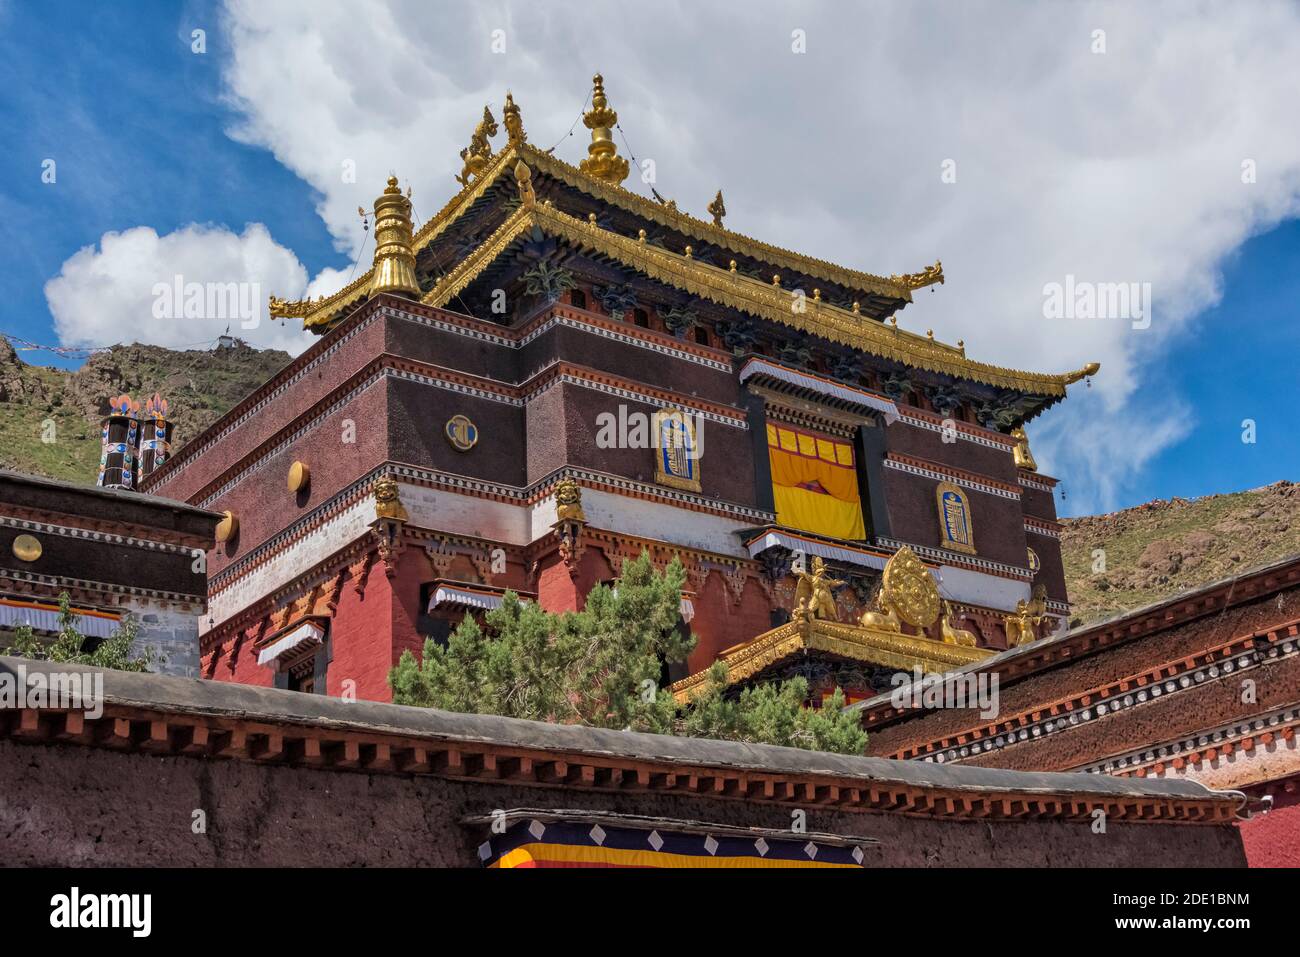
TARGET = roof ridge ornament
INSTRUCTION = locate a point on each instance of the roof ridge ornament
(603, 161)
(718, 208)
(919, 280)
(479, 151)
(513, 122)
(394, 269)
(523, 179)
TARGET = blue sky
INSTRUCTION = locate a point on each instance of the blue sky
(138, 128)
(148, 134)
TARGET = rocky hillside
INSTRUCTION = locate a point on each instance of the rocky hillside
(198, 385)
(1158, 549)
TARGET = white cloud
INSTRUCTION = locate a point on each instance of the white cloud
(124, 289)
(1114, 167)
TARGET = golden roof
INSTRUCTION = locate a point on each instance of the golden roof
(887, 649)
(725, 287)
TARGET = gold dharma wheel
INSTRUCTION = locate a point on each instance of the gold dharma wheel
(909, 587)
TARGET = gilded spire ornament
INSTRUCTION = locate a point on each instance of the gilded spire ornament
(394, 269)
(718, 208)
(1024, 457)
(603, 161)
(479, 151)
(513, 122)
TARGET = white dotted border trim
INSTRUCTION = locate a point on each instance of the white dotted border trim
(961, 433)
(1121, 700)
(958, 480)
(94, 536)
(946, 557)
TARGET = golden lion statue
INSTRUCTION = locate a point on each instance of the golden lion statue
(479, 150)
(568, 502)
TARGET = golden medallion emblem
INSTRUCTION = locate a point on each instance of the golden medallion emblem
(27, 548)
(462, 433)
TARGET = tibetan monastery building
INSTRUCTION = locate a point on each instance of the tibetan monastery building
(553, 374)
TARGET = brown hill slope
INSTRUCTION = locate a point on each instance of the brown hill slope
(1159, 549)
(198, 385)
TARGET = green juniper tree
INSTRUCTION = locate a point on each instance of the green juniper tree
(69, 644)
(601, 667)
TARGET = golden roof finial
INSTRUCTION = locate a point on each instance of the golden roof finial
(718, 208)
(394, 256)
(513, 122)
(603, 161)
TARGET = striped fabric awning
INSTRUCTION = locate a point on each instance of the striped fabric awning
(815, 383)
(293, 640)
(44, 617)
(604, 841)
(811, 546)
(448, 595)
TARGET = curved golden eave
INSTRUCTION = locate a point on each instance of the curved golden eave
(748, 295)
(894, 287)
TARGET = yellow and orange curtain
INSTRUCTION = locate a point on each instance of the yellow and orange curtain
(814, 482)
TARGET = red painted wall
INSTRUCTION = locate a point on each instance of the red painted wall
(1273, 839)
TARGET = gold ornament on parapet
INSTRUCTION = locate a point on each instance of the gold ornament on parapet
(1022, 625)
(813, 598)
(570, 523)
(1024, 458)
(479, 151)
(718, 209)
(882, 618)
(513, 122)
(388, 503)
(568, 502)
(390, 520)
(953, 635)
